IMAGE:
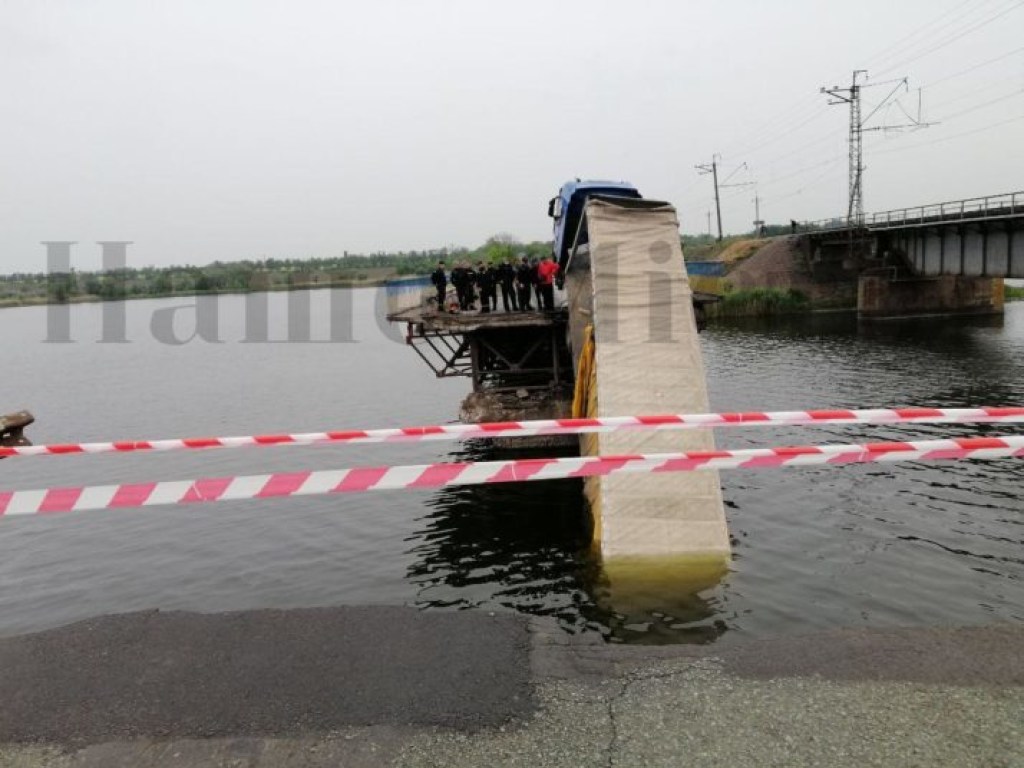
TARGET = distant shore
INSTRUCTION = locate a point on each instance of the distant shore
(43, 301)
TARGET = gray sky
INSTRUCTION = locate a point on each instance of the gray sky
(231, 129)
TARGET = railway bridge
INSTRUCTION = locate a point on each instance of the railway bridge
(944, 257)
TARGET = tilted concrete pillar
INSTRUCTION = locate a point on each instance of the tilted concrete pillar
(647, 528)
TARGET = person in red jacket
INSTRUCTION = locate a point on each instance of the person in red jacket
(546, 272)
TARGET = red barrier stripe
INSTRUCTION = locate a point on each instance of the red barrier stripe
(745, 418)
(201, 442)
(918, 413)
(693, 460)
(577, 423)
(60, 500)
(975, 443)
(419, 431)
(889, 447)
(1004, 412)
(361, 479)
(273, 439)
(609, 464)
(499, 426)
(652, 421)
(132, 495)
(283, 484)
(439, 474)
(207, 490)
(349, 434)
(520, 470)
(839, 414)
(61, 449)
(779, 456)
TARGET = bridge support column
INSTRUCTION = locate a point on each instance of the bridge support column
(881, 297)
(665, 534)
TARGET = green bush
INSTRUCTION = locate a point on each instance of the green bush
(760, 302)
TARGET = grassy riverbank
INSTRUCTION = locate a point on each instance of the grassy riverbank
(760, 302)
(1013, 292)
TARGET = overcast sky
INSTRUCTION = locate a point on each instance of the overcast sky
(230, 129)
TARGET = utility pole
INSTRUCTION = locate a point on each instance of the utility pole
(709, 223)
(758, 224)
(851, 95)
(713, 170)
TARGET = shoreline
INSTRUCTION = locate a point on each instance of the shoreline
(41, 301)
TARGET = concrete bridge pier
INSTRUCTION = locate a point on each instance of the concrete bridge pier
(881, 297)
(657, 535)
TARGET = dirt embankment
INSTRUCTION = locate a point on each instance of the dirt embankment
(777, 263)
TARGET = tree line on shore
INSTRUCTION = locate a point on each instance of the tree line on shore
(275, 273)
(249, 275)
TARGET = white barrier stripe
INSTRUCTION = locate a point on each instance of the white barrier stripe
(95, 497)
(26, 502)
(169, 493)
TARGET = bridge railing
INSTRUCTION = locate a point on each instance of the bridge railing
(969, 209)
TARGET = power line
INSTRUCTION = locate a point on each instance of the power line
(876, 59)
(966, 95)
(809, 185)
(782, 134)
(954, 38)
(782, 117)
(976, 107)
(790, 122)
(801, 171)
(933, 83)
(989, 127)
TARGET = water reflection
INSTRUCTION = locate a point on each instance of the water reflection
(517, 545)
(526, 547)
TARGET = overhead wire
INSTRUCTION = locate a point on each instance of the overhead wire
(877, 58)
(786, 118)
(976, 107)
(974, 67)
(952, 39)
(989, 127)
(949, 27)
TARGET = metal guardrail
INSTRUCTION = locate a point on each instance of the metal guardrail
(970, 209)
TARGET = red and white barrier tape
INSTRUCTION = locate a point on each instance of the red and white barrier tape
(438, 475)
(546, 427)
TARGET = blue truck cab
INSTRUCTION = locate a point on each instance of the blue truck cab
(567, 211)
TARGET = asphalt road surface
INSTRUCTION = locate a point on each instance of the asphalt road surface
(395, 686)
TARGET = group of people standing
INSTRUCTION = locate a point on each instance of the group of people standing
(518, 282)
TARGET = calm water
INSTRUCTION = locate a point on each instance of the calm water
(907, 544)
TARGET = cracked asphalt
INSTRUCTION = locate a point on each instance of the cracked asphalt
(337, 687)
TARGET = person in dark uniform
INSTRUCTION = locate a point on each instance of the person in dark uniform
(470, 285)
(485, 279)
(460, 280)
(492, 294)
(535, 277)
(506, 280)
(524, 284)
(440, 281)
